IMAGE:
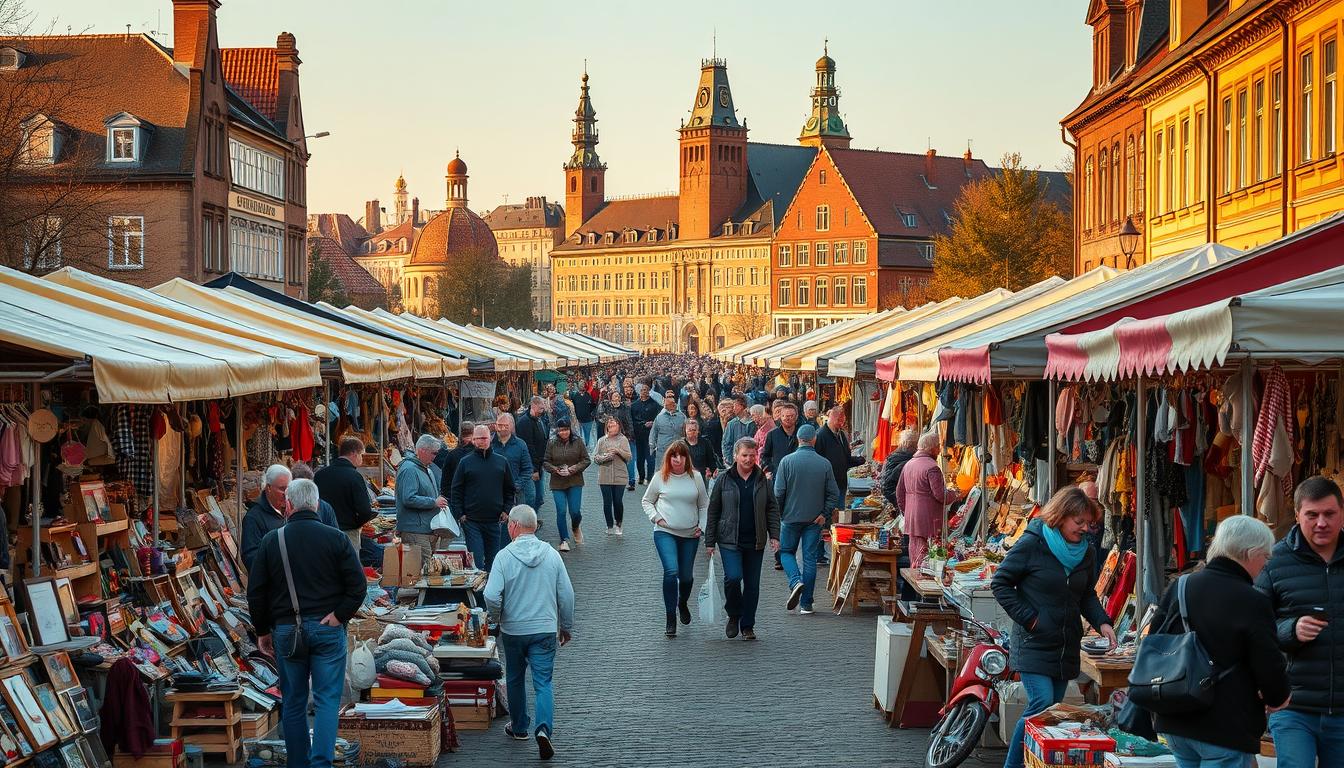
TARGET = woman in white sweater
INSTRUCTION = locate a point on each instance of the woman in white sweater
(676, 502)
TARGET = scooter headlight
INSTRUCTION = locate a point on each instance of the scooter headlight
(993, 663)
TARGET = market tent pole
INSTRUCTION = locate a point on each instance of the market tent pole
(35, 492)
(984, 470)
(326, 420)
(154, 489)
(182, 461)
(382, 439)
(1247, 404)
(1141, 498)
(1052, 394)
(238, 465)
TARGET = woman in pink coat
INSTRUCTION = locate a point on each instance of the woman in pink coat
(924, 497)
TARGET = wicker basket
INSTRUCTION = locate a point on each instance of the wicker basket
(414, 742)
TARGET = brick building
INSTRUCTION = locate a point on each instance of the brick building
(526, 233)
(191, 161)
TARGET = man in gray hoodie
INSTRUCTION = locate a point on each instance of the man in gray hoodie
(668, 426)
(806, 491)
(529, 593)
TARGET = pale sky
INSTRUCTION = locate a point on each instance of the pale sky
(401, 83)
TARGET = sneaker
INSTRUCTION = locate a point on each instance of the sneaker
(611, 531)
(578, 536)
(779, 566)
(619, 532)
(544, 749)
(508, 731)
(684, 612)
(805, 611)
(748, 634)
(795, 595)
(731, 629)
(564, 546)
(823, 561)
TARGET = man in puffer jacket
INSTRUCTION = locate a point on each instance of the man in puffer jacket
(1304, 580)
(529, 592)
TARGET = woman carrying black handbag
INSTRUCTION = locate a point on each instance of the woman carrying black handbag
(1235, 625)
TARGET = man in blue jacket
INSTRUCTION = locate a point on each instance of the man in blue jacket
(418, 499)
(806, 490)
(519, 456)
(530, 594)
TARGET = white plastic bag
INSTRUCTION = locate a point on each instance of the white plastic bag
(710, 601)
(445, 526)
(363, 673)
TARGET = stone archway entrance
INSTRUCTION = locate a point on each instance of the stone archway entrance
(692, 340)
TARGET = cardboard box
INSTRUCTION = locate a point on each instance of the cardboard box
(401, 566)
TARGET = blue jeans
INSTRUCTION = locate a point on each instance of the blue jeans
(482, 541)
(568, 506)
(630, 470)
(741, 583)
(677, 555)
(1043, 692)
(538, 652)
(588, 430)
(534, 490)
(613, 504)
(325, 668)
(643, 458)
(1190, 753)
(809, 536)
(1302, 738)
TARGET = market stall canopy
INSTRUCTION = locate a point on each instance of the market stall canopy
(578, 354)
(548, 358)
(477, 362)
(597, 343)
(734, 353)
(1298, 320)
(364, 357)
(818, 357)
(605, 353)
(514, 358)
(1016, 346)
(774, 355)
(140, 357)
(919, 361)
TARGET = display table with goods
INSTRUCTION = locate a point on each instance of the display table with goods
(864, 566)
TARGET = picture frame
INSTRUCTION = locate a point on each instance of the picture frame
(28, 711)
(94, 495)
(99, 754)
(65, 590)
(56, 712)
(11, 635)
(73, 756)
(77, 699)
(45, 612)
(60, 671)
(91, 759)
(48, 758)
(13, 744)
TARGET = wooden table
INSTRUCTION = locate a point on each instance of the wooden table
(875, 566)
(925, 586)
(457, 593)
(1109, 674)
(922, 618)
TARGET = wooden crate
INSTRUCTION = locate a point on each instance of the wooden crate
(257, 724)
(472, 703)
(415, 742)
(163, 754)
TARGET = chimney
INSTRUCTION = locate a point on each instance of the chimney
(415, 211)
(372, 217)
(193, 21)
(928, 166)
(287, 83)
(966, 160)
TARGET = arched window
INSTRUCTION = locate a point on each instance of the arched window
(1089, 195)
(1117, 191)
(1104, 187)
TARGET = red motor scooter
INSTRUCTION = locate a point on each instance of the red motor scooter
(972, 701)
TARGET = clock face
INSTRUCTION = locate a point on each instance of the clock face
(723, 96)
(812, 123)
(702, 98)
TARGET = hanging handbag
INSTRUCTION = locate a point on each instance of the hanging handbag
(1173, 674)
(299, 649)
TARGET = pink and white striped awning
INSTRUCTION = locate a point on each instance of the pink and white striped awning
(1181, 341)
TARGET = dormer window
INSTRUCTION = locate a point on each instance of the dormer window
(910, 220)
(727, 227)
(11, 59)
(43, 141)
(632, 235)
(748, 227)
(592, 238)
(127, 138)
(653, 235)
(610, 238)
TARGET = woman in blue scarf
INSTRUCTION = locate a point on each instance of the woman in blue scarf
(1045, 585)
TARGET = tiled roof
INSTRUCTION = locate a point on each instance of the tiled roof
(453, 232)
(641, 213)
(253, 74)
(1151, 51)
(891, 185)
(1058, 190)
(777, 171)
(902, 254)
(160, 95)
(341, 228)
(521, 215)
(355, 278)
(405, 229)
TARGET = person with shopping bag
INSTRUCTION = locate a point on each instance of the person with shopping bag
(743, 517)
(676, 503)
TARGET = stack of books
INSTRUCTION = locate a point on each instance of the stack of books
(388, 688)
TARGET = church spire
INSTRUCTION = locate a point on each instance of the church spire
(585, 173)
(825, 126)
(584, 137)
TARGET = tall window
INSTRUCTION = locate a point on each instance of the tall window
(860, 251)
(842, 252)
(785, 293)
(741, 275)
(1198, 139)
(841, 291)
(1117, 190)
(804, 293)
(1186, 178)
(1171, 167)
(823, 218)
(1157, 172)
(1307, 114)
(257, 170)
(42, 243)
(1276, 122)
(1103, 188)
(1328, 97)
(1258, 131)
(1091, 192)
(126, 242)
(860, 291)
(785, 256)
(755, 275)
(1225, 151)
(823, 254)
(1131, 180)
(1243, 175)
(804, 255)
(1142, 165)
(823, 292)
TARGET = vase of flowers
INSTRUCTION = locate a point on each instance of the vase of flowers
(936, 559)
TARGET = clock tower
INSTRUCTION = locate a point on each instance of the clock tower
(585, 173)
(713, 163)
(824, 127)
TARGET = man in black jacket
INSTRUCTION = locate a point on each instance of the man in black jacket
(447, 459)
(642, 413)
(780, 441)
(833, 445)
(482, 494)
(584, 410)
(345, 489)
(533, 431)
(906, 445)
(329, 586)
(1304, 580)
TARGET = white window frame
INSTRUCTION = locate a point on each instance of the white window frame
(822, 253)
(859, 291)
(910, 220)
(823, 218)
(256, 169)
(803, 258)
(840, 292)
(785, 293)
(113, 146)
(52, 257)
(129, 253)
(860, 253)
(841, 255)
(785, 255)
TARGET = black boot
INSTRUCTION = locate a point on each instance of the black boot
(671, 625)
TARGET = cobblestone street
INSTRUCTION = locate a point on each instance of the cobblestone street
(628, 696)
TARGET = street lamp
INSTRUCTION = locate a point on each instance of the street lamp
(1129, 240)
(319, 135)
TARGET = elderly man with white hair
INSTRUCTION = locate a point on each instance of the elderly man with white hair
(923, 496)
(418, 499)
(530, 594)
(267, 513)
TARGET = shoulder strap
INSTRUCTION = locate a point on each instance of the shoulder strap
(289, 575)
(1180, 599)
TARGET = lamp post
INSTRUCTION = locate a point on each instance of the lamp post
(1129, 241)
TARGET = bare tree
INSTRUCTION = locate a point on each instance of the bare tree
(751, 324)
(50, 212)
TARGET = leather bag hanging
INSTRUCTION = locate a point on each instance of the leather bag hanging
(1173, 673)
